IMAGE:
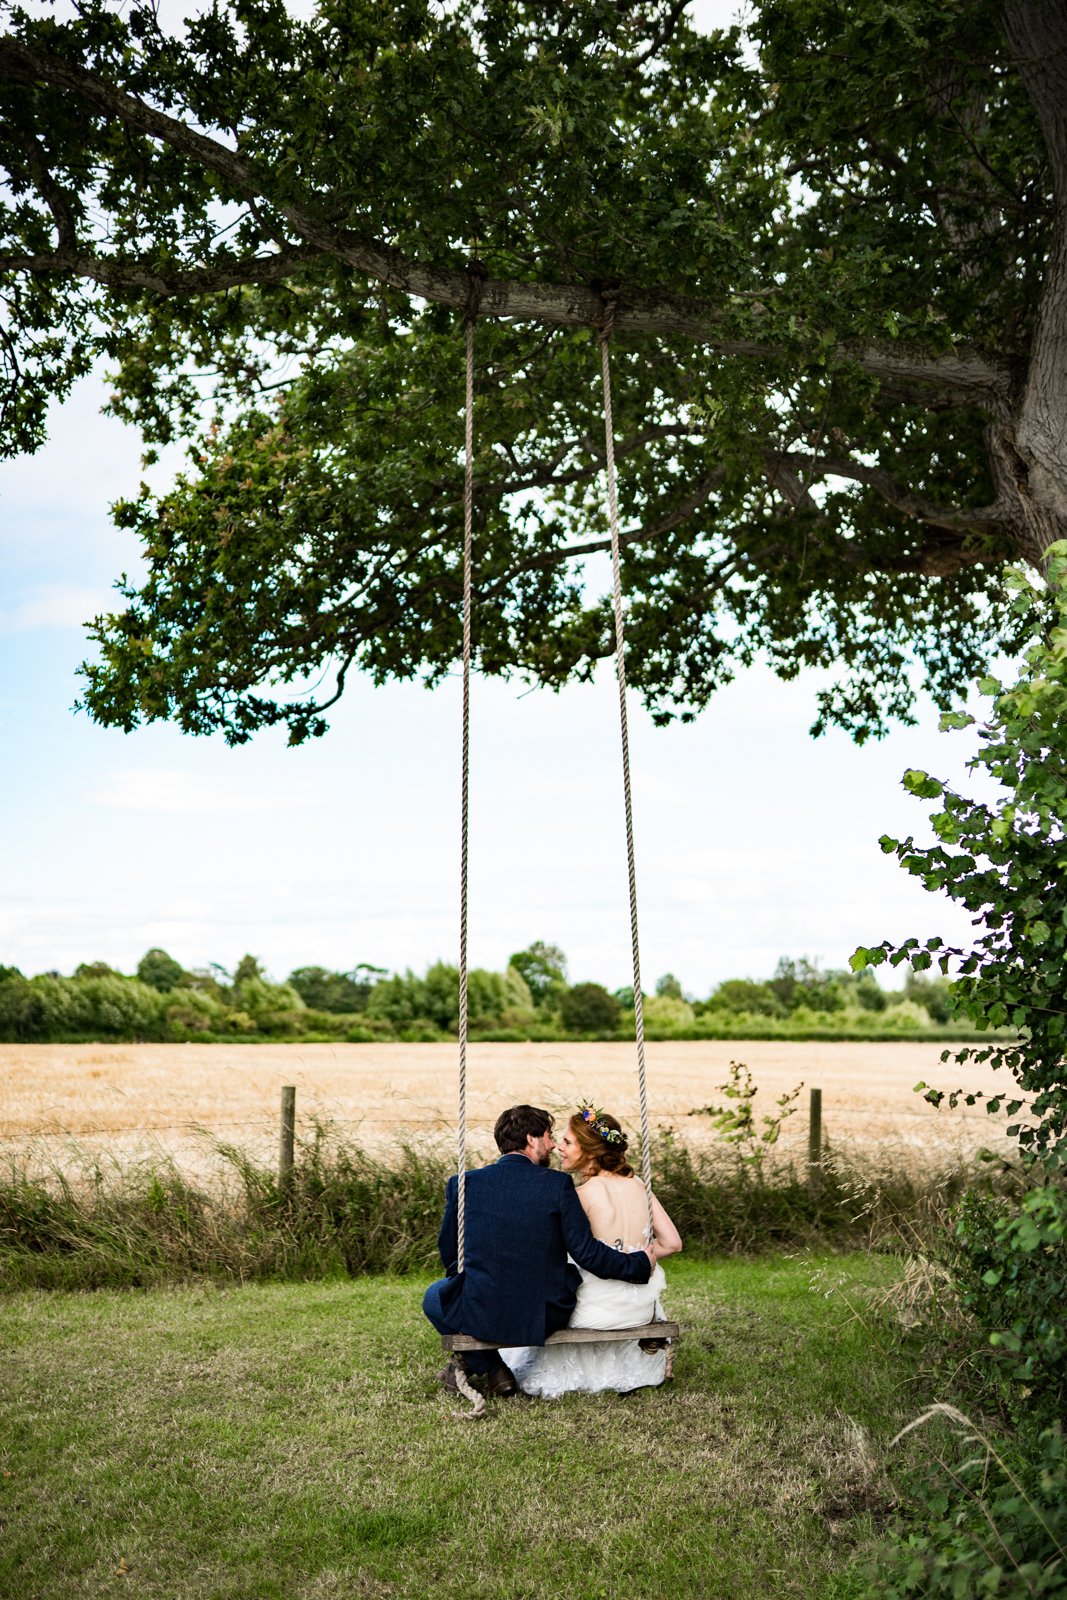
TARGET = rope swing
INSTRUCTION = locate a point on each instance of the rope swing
(468, 524)
(620, 674)
(620, 671)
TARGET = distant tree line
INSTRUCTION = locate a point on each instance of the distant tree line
(532, 999)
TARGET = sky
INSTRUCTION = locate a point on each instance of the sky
(753, 841)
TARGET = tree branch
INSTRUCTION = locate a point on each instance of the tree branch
(964, 374)
(51, 193)
(790, 467)
(118, 273)
(670, 519)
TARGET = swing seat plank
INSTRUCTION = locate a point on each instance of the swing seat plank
(647, 1330)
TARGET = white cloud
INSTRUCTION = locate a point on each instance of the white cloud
(185, 793)
(55, 605)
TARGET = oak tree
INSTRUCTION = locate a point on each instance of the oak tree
(831, 252)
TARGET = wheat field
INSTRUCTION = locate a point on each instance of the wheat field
(133, 1101)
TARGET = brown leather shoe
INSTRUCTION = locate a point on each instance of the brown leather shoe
(447, 1378)
(501, 1382)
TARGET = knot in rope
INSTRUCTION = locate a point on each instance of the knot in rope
(477, 276)
(609, 299)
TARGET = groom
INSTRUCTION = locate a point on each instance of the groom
(522, 1220)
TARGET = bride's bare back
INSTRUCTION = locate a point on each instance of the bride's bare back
(617, 1209)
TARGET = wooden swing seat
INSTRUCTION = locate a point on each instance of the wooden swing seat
(647, 1330)
(459, 1343)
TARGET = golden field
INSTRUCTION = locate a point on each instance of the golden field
(136, 1100)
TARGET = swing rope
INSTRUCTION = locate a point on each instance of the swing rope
(620, 673)
(468, 522)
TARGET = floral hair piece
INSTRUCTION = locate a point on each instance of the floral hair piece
(594, 1115)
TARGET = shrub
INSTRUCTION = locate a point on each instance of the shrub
(191, 1013)
(905, 1014)
(342, 992)
(394, 1000)
(1003, 862)
(868, 993)
(543, 968)
(803, 983)
(159, 970)
(589, 1008)
(22, 1009)
(668, 1012)
(742, 995)
(993, 1527)
(1011, 1267)
(115, 1008)
(47, 1007)
(259, 998)
(933, 993)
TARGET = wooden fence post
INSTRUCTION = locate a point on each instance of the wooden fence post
(814, 1139)
(288, 1135)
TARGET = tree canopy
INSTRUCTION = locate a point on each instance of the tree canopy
(832, 256)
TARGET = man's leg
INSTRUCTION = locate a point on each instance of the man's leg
(477, 1362)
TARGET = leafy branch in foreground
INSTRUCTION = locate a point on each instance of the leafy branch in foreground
(1006, 862)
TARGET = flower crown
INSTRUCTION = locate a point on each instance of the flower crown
(594, 1115)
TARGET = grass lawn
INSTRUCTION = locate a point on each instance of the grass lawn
(289, 1440)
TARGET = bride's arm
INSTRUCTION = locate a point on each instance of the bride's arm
(668, 1241)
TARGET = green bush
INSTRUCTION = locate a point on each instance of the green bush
(803, 983)
(1011, 1267)
(188, 1013)
(931, 991)
(34, 1010)
(159, 970)
(22, 1009)
(589, 1008)
(543, 969)
(992, 1527)
(998, 1526)
(342, 992)
(668, 1014)
(1003, 862)
(907, 1015)
(742, 995)
(427, 1007)
(115, 1008)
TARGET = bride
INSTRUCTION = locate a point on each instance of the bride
(593, 1147)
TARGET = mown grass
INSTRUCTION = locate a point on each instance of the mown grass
(281, 1440)
(93, 1223)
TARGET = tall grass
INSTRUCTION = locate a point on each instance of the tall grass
(95, 1223)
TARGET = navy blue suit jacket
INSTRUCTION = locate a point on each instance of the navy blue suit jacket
(517, 1286)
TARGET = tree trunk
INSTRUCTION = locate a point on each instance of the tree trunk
(1033, 452)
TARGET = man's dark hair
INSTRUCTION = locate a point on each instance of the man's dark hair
(518, 1123)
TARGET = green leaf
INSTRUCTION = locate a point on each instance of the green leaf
(921, 784)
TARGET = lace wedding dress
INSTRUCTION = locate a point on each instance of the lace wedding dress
(548, 1371)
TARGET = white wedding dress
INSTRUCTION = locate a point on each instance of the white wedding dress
(548, 1371)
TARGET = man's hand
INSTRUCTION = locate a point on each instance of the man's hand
(650, 1252)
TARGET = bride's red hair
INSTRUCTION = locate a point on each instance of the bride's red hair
(601, 1156)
